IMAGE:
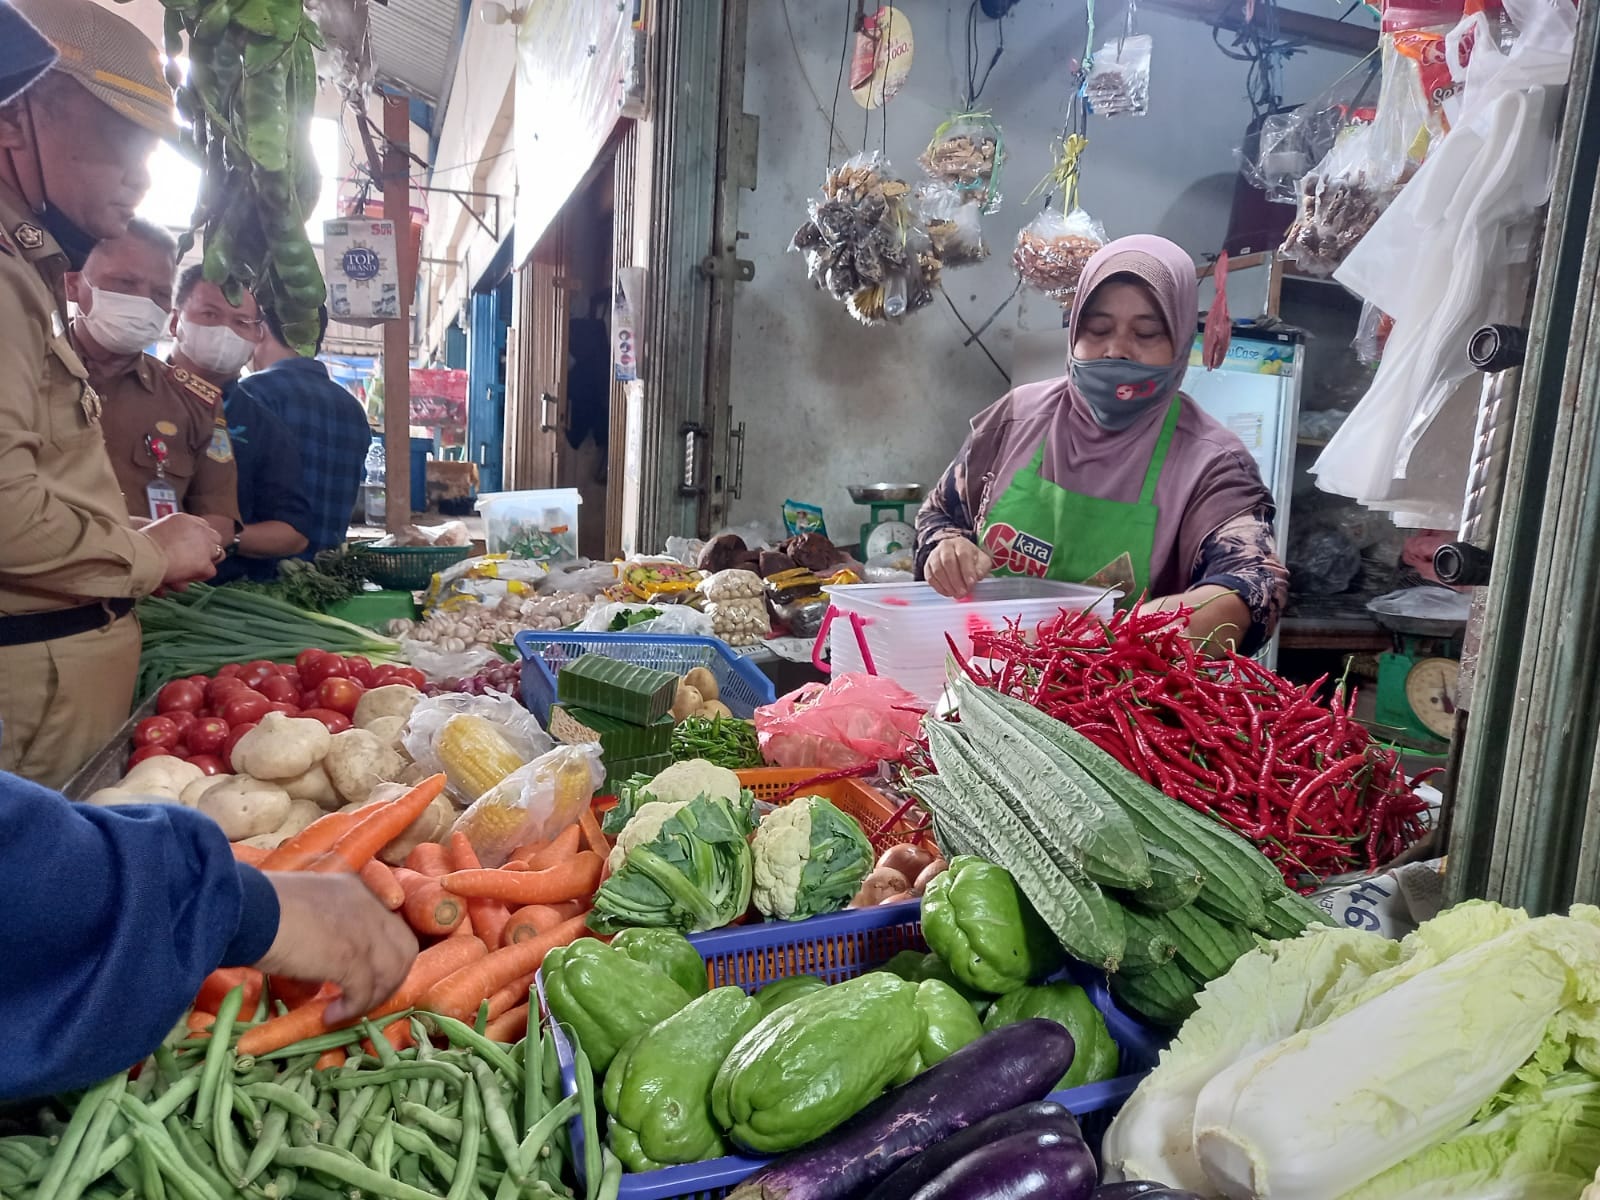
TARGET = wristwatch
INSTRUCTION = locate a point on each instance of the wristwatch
(238, 536)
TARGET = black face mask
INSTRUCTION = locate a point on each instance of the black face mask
(74, 242)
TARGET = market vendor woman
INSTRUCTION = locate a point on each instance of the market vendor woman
(1111, 475)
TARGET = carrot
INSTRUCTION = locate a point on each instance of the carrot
(491, 923)
(460, 994)
(515, 864)
(562, 847)
(381, 883)
(428, 858)
(387, 822)
(433, 911)
(214, 988)
(508, 997)
(311, 841)
(433, 964)
(330, 1060)
(509, 1027)
(249, 855)
(488, 916)
(396, 1033)
(293, 992)
(577, 877)
(199, 1023)
(527, 850)
(465, 929)
(533, 919)
(593, 836)
(409, 880)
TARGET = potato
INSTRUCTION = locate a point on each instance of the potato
(432, 826)
(301, 814)
(244, 807)
(687, 702)
(312, 784)
(281, 747)
(714, 708)
(109, 797)
(704, 682)
(391, 700)
(388, 730)
(191, 794)
(163, 776)
(358, 761)
(265, 841)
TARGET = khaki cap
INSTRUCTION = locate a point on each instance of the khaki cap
(110, 57)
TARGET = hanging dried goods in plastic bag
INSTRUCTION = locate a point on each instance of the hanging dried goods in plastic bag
(1119, 78)
(952, 218)
(968, 152)
(863, 246)
(1053, 249)
(1350, 188)
(1372, 331)
(1291, 143)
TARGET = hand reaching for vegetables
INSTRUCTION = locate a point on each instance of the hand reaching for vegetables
(189, 545)
(330, 928)
(956, 566)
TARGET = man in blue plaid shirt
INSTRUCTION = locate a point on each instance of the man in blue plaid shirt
(328, 422)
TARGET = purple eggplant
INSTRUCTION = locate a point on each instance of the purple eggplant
(1045, 1116)
(1010, 1066)
(1025, 1166)
(1135, 1188)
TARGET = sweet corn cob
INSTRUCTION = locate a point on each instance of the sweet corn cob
(475, 754)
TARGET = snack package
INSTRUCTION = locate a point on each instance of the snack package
(732, 585)
(801, 518)
(952, 218)
(1053, 249)
(489, 577)
(656, 581)
(1119, 78)
(534, 803)
(968, 152)
(862, 244)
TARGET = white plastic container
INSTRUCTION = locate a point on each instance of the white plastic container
(513, 522)
(906, 624)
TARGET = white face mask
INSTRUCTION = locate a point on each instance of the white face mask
(123, 324)
(214, 347)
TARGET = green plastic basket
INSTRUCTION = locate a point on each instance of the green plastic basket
(407, 568)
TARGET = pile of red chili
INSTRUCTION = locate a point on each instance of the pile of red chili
(1228, 737)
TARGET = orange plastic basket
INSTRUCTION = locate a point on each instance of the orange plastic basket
(885, 822)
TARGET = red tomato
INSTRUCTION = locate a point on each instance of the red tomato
(233, 740)
(214, 990)
(144, 752)
(364, 675)
(279, 690)
(231, 671)
(255, 676)
(209, 763)
(202, 680)
(208, 735)
(308, 698)
(224, 688)
(306, 657)
(246, 709)
(411, 676)
(156, 731)
(336, 722)
(287, 709)
(358, 660)
(183, 719)
(293, 676)
(341, 695)
(180, 695)
(327, 667)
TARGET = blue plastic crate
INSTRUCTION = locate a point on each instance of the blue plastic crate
(836, 948)
(742, 686)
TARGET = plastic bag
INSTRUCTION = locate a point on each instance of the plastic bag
(1292, 143)
(1119, 78)
(732, 585)
(1426, 603)
(1372, 331)
(1052, 250)
(967, 152)
(655, 581)
(534, 803)
(516, 724)
(685, 550)
(741, 621)
(952, 220)
(852, 720)
(487, 577)
(584, 578)
(897, 567)
(669, 619)
(440, 665)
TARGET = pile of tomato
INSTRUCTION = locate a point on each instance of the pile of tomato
(199, 718)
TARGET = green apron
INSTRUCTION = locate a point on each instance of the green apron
(1041, 530)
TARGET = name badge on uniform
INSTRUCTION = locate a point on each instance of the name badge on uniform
(163, 498)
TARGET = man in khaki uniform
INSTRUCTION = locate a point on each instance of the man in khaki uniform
(72, 170)
(168, 439)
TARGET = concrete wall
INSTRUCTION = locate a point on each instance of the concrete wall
(829, 402)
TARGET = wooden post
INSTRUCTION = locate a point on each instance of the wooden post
(397, 333)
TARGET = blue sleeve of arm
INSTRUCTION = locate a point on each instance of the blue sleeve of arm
(120, 914)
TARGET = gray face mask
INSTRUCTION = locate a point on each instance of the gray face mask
(1120, 391)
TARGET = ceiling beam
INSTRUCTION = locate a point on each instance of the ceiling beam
(1325, 33)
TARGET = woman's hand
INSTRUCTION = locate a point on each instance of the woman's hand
(955, 567)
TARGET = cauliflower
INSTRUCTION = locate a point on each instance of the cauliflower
(645, 823)
(694, 777)
(810, 858)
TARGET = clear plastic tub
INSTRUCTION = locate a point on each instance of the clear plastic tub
(531, 524)
(906, 625)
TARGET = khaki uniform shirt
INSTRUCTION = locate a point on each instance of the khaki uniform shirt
(162, 422)
(64, 533)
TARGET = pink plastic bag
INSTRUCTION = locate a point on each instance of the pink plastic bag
(854, 719)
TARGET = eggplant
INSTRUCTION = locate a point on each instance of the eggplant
(1007, 1067)
(1025, 1166)
(1135, 1188)
(1044, 1116)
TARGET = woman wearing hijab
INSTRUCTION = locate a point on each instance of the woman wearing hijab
(1111, 475)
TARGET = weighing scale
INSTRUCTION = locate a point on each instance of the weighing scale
(888, 530)
(1417, 679)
